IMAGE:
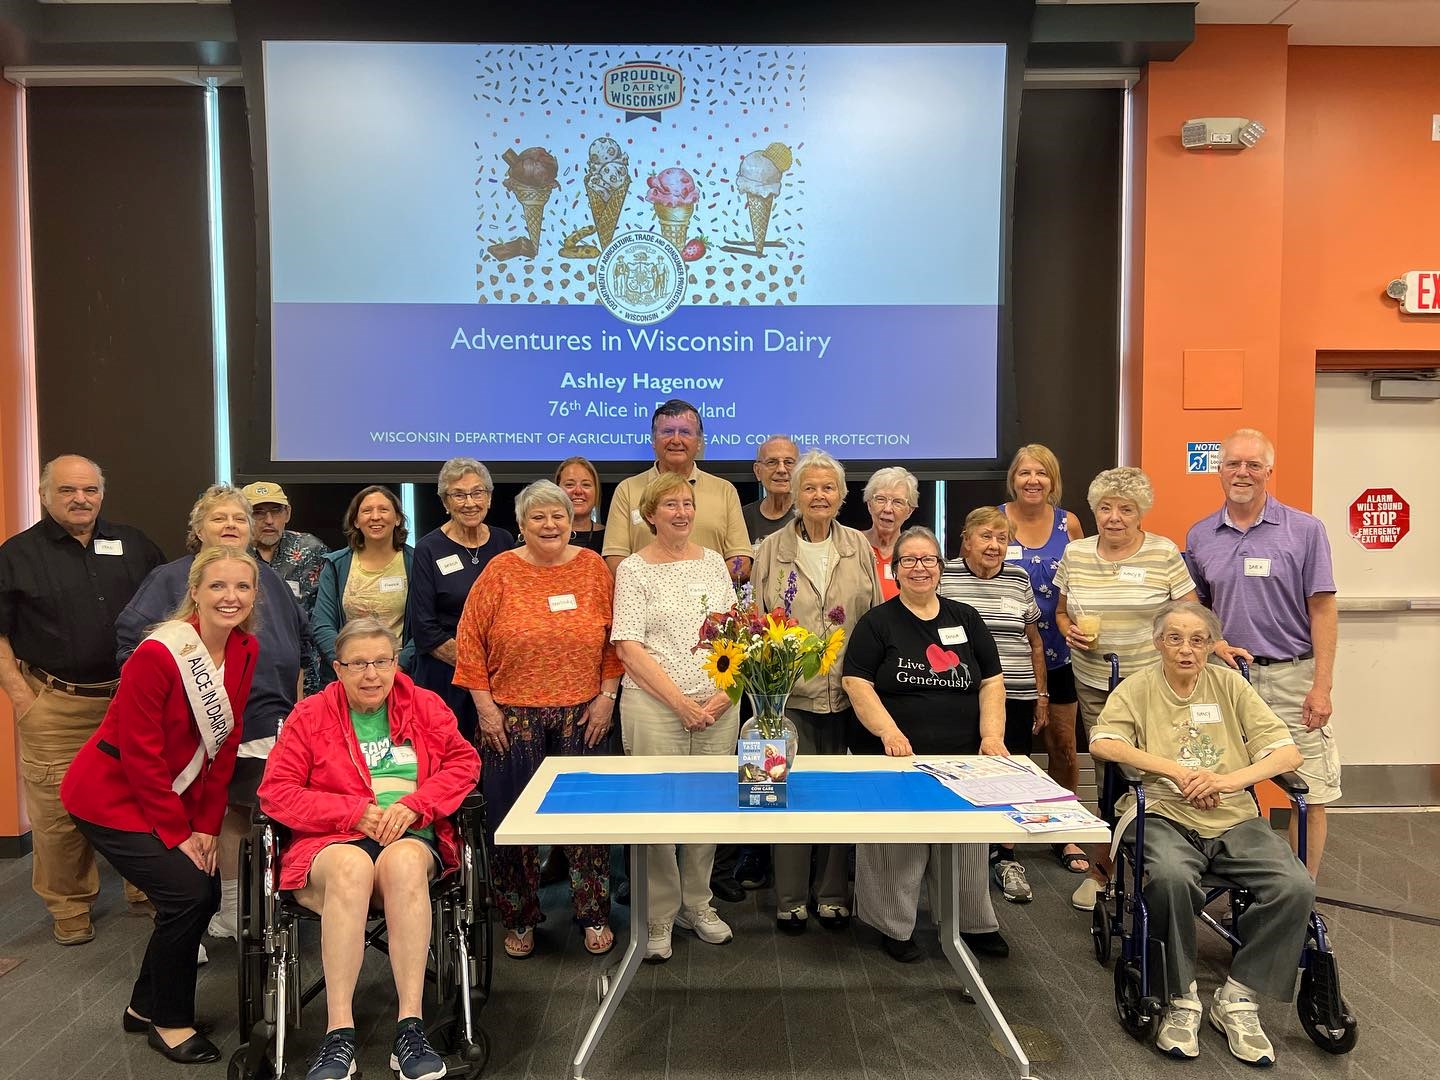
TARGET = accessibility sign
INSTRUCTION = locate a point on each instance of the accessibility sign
(1202, 457)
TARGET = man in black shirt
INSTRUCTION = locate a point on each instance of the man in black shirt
(63, 581)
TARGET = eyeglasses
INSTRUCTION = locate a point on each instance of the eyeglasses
(357, 667)
(478, 495)
(908, 562)
(676, 433)
(1245, 466)
(882, 502)
(1195, 641)
(776, 462)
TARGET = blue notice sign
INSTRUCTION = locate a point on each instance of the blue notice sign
(1202, 457)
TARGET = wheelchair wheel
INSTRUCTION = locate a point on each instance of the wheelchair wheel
(236, 1070)
(1101, 935)
(1140, 1016)
(1324, 1013)
(476, 1054)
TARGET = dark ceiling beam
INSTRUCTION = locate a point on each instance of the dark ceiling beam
(1108, 35)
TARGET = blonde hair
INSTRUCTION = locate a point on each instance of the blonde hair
(980, 516)
(213, 496)
(657, 489)
(1126, 482)
(1045, 457)
(1266, 446)
(206, 558)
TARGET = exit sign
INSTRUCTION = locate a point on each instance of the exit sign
(1422, 293)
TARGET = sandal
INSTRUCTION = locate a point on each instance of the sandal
(1069, 859)
(520, 942)
(599, 940)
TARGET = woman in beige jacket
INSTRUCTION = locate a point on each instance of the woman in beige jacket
(833, 573)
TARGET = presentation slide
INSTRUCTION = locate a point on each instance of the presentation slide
(516, 252)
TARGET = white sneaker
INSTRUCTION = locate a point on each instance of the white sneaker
(657, 946)
(202, 957)
(1179, 1034)
(705, 924)
(1239, 1021)
(1084, 897)
(223, 924)
(1010, 876)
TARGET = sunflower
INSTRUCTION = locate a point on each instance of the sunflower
(720, 665)
(832, 651)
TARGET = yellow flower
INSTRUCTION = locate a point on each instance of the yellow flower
(775, 629)
(720, 665)
(832, 651)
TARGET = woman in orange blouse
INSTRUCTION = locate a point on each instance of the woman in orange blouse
(533, 647)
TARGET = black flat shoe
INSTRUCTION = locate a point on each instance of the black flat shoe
(727, 889)
(196, 1050)
(991, 944)
(907, 952)
(133, 1025)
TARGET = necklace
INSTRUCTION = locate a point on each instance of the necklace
(475, 554)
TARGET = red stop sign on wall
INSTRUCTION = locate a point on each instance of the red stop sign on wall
(1379, 519)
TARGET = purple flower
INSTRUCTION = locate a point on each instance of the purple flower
(836, 615)
(791, 587)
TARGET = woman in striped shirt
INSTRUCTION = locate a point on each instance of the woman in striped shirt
(1001, 593)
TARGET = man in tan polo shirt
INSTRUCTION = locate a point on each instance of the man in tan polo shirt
(677, 434)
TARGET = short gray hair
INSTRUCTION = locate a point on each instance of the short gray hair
(364, 626)
(542, 493)
(894, 476)
(1266, 446)
(819, 459)
(1127, 483)
(759, 450)
(1186, 607)
(210, 498)
(457, 467)
(49, 468)
(915, 532)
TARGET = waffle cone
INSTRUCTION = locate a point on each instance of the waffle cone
(606, 212)
(532, 201)
(674, 222)
(760, 207)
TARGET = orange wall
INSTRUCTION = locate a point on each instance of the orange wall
(14, 455)
(1275, 252)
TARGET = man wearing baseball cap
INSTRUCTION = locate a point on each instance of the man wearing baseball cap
(296, 556)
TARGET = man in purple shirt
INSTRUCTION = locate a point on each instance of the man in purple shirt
(1264, 568)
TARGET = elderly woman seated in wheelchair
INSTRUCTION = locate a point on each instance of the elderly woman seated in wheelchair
(1201, 737)
(365, 774)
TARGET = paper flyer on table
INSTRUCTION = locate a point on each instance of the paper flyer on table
(995, 781)
(1052, 817)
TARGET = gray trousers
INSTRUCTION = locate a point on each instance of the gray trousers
(888, 879)
(820, 733)
(1249, 854)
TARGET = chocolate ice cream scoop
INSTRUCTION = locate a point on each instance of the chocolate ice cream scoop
(533, 167)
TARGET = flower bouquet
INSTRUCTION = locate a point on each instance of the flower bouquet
(763, 654)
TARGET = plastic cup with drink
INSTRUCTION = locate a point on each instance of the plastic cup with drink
(1086, 622)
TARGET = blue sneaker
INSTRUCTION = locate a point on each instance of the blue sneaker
(335, 1059)
(414, 1058)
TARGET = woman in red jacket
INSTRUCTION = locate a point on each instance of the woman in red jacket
(365, 774)
(149, 788)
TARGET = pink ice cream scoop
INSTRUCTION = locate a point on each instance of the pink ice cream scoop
(672, 187)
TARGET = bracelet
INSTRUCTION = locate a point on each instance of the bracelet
(1044, 694)
(611, 694)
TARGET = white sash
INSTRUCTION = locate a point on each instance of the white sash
(209, 702)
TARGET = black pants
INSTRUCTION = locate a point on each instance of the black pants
(184, 899)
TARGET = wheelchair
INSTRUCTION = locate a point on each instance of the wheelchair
(1140, 972)
(272, 991)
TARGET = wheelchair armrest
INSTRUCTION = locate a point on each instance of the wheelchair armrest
(1291, 784)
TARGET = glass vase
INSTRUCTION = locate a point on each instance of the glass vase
(770, 723)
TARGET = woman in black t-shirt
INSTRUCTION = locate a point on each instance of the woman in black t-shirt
(924, 677)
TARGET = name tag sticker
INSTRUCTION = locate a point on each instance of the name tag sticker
(889, 572)
(563, 602)
(1205, 714)
(449, 564)
(1134, 575)
(402, 755)
(1257, 567)
(1014, 553)
(392, 584)
(953, 635)
(636, 518)
(1012, 607)
(294, 588)
(109, 547)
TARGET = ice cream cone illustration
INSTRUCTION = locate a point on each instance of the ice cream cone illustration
(531, 180)
(759, 181)
(607, 182)
(673, 194)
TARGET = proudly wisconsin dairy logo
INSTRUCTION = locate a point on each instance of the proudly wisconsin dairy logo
(640, 278)
(642, 89)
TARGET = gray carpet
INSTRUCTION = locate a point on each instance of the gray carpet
(825, 1006)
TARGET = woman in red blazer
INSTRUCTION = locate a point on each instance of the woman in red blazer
(149, 788)
(365, 774)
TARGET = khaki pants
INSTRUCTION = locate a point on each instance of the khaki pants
(52, 731)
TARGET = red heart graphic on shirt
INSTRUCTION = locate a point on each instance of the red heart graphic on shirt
(941, 659)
